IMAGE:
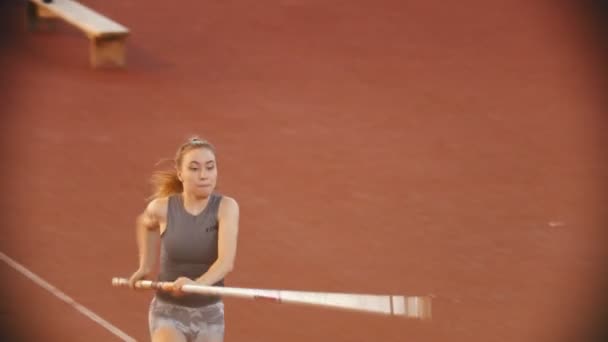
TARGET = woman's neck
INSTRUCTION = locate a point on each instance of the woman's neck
(193, 203)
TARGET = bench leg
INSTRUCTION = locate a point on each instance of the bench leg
(36, 17)
(108, 51)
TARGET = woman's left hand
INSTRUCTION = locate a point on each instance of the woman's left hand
(178, 283)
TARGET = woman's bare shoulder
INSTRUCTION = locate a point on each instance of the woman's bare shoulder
(158, 207)
(228, 206)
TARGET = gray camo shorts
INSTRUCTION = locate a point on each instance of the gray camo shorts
(197, 324)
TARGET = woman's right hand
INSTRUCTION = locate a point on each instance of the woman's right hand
(140, 274)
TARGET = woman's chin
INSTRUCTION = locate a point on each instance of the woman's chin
(203, 192)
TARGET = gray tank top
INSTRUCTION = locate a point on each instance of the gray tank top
(189, 247)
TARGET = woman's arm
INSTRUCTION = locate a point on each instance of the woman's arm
(147, 229)
(228, 217)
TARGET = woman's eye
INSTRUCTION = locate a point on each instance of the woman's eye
(193, 168)
(210, 167)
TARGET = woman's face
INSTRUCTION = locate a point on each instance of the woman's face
(198, 172)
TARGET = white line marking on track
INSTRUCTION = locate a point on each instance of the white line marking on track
(55, 291)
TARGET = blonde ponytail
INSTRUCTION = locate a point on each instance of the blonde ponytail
(165, 183)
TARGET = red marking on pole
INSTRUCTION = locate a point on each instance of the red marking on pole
(267, 298)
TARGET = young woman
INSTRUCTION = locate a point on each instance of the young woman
(198, 229)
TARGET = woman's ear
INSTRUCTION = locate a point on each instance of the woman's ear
(179, 176)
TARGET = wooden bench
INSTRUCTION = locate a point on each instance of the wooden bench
(107, 38)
